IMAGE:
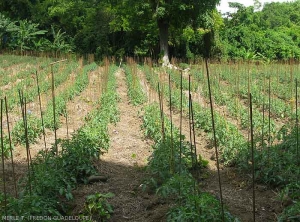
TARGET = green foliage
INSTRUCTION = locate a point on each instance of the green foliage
(59, 43)
(134, 27)
(176, 79)
(6, 147)
(277, 165)
(26, 33)
(6, 27)
(178, 183)
(135, 92)
(34, 130)
(291, 213)
(199, 207)
(34, 205)
(97, 207)
(275, 29)
(95, 132)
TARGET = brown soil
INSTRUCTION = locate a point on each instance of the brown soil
(77, 110)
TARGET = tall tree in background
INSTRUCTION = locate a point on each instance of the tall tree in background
(167, 14)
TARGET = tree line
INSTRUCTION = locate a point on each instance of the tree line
(186, 29)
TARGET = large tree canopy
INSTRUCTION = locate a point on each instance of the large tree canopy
(272, 33)
(164, 14)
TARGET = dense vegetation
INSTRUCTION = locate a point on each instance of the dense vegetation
(148, 28)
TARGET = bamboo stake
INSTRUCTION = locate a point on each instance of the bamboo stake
(41, 112)
(67, 123)
(180, 124)
(215, 139)
(297, 128)
(269, 120)
(53, 103)
(161, 113)
(263, 115)
(190, 124)
(172, 164)
(252, 157)
(10, 147)
(194, 134)
(3, 164)
(26, 138)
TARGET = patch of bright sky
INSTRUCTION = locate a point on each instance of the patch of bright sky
(224, 7)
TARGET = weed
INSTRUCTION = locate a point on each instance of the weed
(97, 207)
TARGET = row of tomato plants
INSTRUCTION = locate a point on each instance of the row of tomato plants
(47, 188)
(80, 82)
(170, 172)
(174, 180)
(29, 85)
(275, 165)
(135, 92)
(282, 76)
(34, 123)
(230, 140)
(224, 96)
(8, 60)
(21, 71)
(282, 92)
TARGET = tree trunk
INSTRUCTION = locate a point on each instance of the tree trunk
(163, 27)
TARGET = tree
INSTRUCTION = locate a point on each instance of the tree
(25, 34)
(6, 28)
(166, 14)
(276, 30)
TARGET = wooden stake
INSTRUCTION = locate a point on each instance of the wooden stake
(297, 128)
(41, 112)
(3, 164)
(180, 124)
(215, 140)
(194, 134)
(172, 163)
(269, 120)
(252, 156)
(10, 147)
(190, 125)
(53, 103)
(23, 109)
(161, 113)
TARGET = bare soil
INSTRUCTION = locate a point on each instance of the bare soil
(124, 165)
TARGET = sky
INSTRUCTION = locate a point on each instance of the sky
(223, 7)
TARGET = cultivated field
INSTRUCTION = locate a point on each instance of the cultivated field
(137, 142)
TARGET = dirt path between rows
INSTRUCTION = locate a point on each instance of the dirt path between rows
(77, 110)
(124, 165)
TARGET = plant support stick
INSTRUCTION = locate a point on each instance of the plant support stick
(10, 147)
(252, 156)
(215, 139)
(3, 165)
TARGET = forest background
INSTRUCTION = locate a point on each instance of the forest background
(141, 28)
